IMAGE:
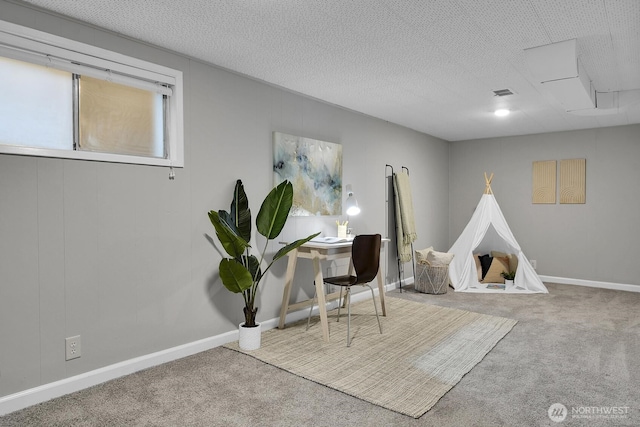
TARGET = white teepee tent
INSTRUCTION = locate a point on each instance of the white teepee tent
(488, 231)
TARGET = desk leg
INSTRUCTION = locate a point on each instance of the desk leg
(291, 269)
(322, 302)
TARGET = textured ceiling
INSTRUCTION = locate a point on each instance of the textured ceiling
(427, 65)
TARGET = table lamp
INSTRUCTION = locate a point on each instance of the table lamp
(352, 203)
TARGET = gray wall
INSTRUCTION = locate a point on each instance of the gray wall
(120, 254)
(595, 241)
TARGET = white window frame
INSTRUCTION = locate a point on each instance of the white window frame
(27, 44)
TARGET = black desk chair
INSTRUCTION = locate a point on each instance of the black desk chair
(365, 256)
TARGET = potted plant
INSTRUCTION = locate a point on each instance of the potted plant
(241, 272)
(508, 277)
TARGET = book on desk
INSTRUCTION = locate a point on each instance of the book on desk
(329, 239)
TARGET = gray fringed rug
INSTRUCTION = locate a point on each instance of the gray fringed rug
(423, 352)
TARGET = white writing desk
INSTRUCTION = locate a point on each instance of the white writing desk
(317, 252)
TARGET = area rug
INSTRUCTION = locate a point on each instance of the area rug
(423, 352)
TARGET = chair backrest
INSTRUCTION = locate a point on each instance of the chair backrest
(365, 255)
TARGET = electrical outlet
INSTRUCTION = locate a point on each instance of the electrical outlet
(73, 348)
(533, 263)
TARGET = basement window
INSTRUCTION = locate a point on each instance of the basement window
(65, 99)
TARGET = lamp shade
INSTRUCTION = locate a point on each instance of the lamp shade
(351, 204)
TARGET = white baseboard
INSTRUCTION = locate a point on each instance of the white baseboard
(33, 396)
(591, 283)
(565, 281)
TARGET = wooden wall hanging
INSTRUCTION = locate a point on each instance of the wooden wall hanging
(573, 181)
(544, 182)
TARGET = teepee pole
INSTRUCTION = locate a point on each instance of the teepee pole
(487, 180)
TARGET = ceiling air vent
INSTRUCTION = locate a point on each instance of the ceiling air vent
(502, 92)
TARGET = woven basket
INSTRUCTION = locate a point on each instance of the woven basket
(432, 279)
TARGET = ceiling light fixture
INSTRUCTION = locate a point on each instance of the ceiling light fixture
(502, 112)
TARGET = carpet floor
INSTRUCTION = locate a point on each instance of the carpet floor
(577, 346)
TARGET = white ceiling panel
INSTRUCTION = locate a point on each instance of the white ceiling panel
(427, 65)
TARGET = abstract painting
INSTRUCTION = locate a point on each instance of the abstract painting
(315, 170)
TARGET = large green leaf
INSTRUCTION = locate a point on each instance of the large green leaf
(235, 276)
(227, 219)
(253, 265)
(231, 242)
(291, 246)
(275, 210)
(240, 212)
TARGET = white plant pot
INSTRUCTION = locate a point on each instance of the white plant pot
(249, 338)
(508, 282)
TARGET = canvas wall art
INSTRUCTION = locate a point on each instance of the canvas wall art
(544, 182)
(573, 181)
(315, 170)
